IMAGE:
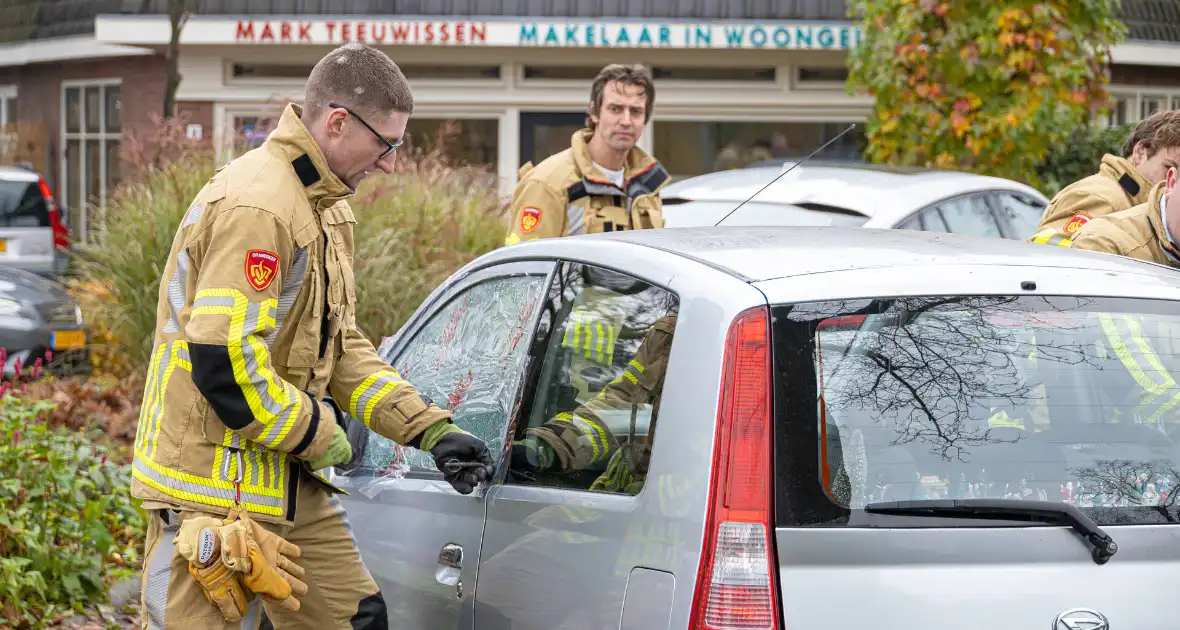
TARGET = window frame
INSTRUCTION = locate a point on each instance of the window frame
(7, 92)
(84, 137)
(434, 304)
(538, 352)
(937, 206)
(997, 205)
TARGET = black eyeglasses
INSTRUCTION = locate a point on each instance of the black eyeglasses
(390, 147)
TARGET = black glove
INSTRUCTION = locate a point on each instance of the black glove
(462, 458)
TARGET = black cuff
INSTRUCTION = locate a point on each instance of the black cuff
(312, 427)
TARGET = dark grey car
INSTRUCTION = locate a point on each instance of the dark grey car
(858, 428)
(38, 315)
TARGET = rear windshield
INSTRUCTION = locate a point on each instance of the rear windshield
(21, 205)
(1033, 398)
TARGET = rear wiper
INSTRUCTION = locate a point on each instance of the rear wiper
(1009, 509)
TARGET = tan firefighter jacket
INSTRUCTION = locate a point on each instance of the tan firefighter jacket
(255, 324)
(566, 195)
(1115, 187)
(1135, 233)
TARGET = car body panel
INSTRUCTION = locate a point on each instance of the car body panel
(559, 558)
(45, 307)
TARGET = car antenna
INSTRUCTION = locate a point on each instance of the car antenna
(825, 145)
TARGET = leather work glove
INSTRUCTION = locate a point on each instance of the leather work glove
(198, 542)
(532, 454)
(265, 560)
(338, 452)
(462, 458)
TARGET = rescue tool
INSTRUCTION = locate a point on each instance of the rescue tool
(821, 148)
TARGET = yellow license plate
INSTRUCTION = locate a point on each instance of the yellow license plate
(3, 245)
(67, 339)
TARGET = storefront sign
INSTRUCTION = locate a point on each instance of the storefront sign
(381, 30)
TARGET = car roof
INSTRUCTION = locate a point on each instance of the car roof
(871, 190)
(755, 254)
(17, 174)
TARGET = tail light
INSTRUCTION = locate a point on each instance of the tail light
(61, 233)
(737, 586)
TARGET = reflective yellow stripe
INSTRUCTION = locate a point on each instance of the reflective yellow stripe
(205, 491)
(591, 431)
(594, 338)
(1049, 236)
(366, 398)
(273, 402)
(1002, 419)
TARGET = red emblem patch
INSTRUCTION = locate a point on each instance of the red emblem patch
(1076, 222)
(261, 268)
(529, 218)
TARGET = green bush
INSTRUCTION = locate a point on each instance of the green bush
(68, 526)
(1080, 156)
(415, 227)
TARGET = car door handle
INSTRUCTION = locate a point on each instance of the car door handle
(450, 565)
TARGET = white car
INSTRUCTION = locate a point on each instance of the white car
(857, 195)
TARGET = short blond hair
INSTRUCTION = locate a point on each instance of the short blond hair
(361, 78)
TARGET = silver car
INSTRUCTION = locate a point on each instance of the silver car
(33, 236)
(850, 428)
(850, 194)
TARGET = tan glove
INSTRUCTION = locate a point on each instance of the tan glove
(199, 543)
(265, 560)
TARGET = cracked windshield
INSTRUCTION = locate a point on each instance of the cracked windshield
(1058, 399)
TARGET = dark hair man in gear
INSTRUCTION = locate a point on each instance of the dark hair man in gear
(603, 182)
(1146, 232)
(256, 325)
(1120, 183)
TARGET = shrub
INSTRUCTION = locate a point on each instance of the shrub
(68, 526)
(415, 227)
(1080, 157)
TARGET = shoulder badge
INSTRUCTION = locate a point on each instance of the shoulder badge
(1076, 222)
(529, 218)
(261, 268)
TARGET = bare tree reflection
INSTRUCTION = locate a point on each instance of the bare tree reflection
(1110, 486)
(938, 368)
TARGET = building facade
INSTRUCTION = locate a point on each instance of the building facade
(736, 82)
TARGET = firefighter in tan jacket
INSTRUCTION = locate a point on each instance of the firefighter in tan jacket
(603, 182)
(1120, 183)
(255, 326)
(1145, 232)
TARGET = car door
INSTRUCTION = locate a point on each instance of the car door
(562, 539)
(466, 351)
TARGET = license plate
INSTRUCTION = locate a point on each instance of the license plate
(3, 245)
(67, 339)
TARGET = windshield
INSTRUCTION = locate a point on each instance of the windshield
(1050, 399)
(705, 213)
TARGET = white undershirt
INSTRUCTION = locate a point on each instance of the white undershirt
(616, 177)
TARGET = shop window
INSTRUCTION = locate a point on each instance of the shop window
(467, 141)
(91, 147)
(764, 75)
(689, 148)
(246, 70)
(822, 74)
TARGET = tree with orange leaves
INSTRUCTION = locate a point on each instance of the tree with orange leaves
(987, 86)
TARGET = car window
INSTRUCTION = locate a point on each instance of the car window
(1046, 398)
(22, 205)
(932, 220)
(969, 215)
(1022, 211)
(596, 402)
(468, 358)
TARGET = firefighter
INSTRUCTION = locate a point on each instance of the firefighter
(256, 326)
(1120, 183)
(578, 440)
(603, 182)
(1145, 232)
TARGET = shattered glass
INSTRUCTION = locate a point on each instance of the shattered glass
(468, 358)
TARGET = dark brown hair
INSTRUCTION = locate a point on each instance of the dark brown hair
(1158, 131)
(359, 77)
(634, 74)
